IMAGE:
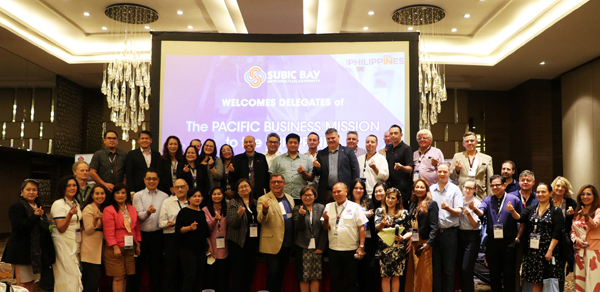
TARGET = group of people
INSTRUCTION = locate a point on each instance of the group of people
(197, 220)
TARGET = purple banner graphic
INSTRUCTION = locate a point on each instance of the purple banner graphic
(229, 97)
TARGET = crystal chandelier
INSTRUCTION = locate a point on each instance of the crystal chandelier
(126, 80)
(432, 78)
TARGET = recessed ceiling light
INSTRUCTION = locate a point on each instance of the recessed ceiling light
(179, 12)
(454, 30)
(543, 63)
(190, 27)
(371, 12)
(410, 28)
(104, 28)
(86, 14)
(147, 27)
(366, 28)
(467, 15)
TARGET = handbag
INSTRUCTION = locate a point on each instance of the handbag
(550, 285)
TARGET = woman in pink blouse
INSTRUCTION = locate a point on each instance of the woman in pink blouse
(585, 235)
(217, 274)
(122, 234)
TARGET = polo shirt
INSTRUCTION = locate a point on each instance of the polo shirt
(401, 154)
(109, 166)
(351, 217)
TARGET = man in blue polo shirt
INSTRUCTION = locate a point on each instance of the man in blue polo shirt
(502, 234)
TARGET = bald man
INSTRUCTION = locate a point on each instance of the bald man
(253, 166)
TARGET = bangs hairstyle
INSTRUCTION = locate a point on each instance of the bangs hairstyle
(209, 202)
(399, 206)
(364, 200)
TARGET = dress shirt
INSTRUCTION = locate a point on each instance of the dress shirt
(359, 151)
(401, 154)
(423, 165)
(452, 195)
(168, 212)
(142, 201)
(147, 156)
(369, 174)
(333, 167)
(351, 217)
(489, 206)
(288, 168)
(109, 166)
(465, 224)
(271, 157)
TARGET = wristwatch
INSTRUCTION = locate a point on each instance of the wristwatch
(517, 240)
(362, 246)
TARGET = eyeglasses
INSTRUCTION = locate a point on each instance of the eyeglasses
(180, 187)
(151, 178)
(243, 187)
(308, 195)
(277, 182)
(470, 188)
(496, 185)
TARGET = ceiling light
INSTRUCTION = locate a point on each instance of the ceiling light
(366, 28)
(190, 27)
(86, 14)
(104, 28)
(543, 63)
(147, 27)
(179, 12)
(454, 30)
(410, 28)
(467, 15)
(371, 12)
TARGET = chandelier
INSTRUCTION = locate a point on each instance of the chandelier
(432, 78)
(126, 80)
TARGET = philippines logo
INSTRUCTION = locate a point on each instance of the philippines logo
(255, 77)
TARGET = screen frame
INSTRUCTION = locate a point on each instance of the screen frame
(413, 53)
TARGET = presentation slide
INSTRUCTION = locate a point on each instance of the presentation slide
(227, 97)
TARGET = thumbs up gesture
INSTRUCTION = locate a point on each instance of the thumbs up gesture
(194, 225)
(186, 168)
(241, 210)
(316, 164)
(458, 166)
(230, 167)
(302, 211)
(39, 211)
(510, 207)
(570, 211)
(217, 216)
(325, 216)
(151, 210)
(265, 206)
(472, 205)
(73, 210)
(97, 215)
(444, 205)
(301, 169)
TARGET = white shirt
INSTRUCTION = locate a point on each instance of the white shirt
(270, 157)
(168, 212)
(351, 217)
(147, 156)
(367, 172)
(142, 201)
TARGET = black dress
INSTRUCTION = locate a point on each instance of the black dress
(550, 226)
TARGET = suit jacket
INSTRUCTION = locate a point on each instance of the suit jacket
(348, 169)
(301, 223)
(237, 227)
(135, 168)
(261, 172)
(113, 225)
(163, 167)
(428, 223)
(272, 224)
(485, 170)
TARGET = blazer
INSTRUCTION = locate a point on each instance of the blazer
(261, 172)
(202, 182)
(114, 227)
(428, 223)
(163, 168)
(237, 227)
(303, 232)
(569, 218)
(593, 232)
(485, 170)
(135, 168)
(273, 225)
(348, 169)
(91, 237)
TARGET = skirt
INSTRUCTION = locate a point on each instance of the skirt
(309, 265)
(392, 260)
(586, 271)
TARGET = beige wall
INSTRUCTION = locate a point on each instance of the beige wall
(581, 124)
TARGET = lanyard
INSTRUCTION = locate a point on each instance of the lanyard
(365, 164)
(500, 208)
(249, 210)
(524, 201)
(337, 220)
(114, 159)
(421, 158)
(472, 161)
(178, 203)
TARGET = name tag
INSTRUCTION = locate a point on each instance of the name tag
(415, 176)
(253, 230)
(78, 235)
(498, 231)
(311, 243)
(415, 234)
(128, 241)
(534, 241)
(220, 241)
(283, 209)
(472, 173)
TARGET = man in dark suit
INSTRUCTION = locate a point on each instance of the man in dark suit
(334, 164)
(138, 161)
(251, 165)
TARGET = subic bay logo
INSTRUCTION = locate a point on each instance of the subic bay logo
(255, 77)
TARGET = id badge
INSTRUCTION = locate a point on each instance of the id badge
(253, 230)
(78, 235)
(415, 234)
(128, 242)
(498, 232)
(534, 241)
(282, 209)
(472, 172)
(311, 243)
(416, 176)
(220, 241)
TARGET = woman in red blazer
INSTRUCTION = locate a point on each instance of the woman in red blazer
(123, 237)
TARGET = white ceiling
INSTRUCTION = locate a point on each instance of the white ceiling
(498, 47)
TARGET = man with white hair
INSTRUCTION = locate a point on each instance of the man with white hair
(426, 158)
